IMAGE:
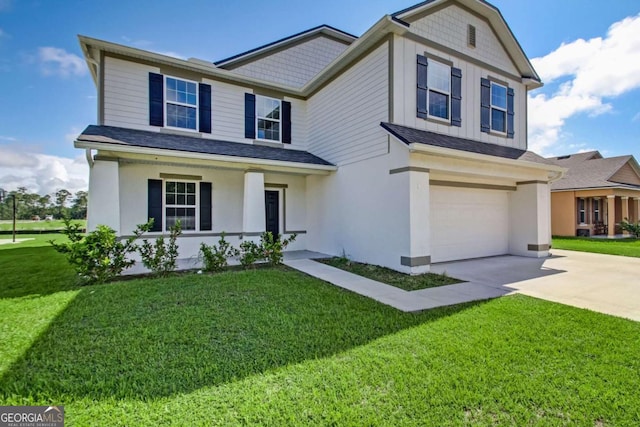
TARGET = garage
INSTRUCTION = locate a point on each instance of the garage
(468, 223)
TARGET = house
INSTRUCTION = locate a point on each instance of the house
(403, 147)
(595, 195)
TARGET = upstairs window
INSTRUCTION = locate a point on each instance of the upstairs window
(268, 118)
(181, 103)
(439, 90)
(498, 108)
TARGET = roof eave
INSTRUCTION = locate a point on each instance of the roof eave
(459, 154)
(132, 149)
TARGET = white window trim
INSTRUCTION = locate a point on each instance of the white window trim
(165, 205)
(279, 140)
(492, 107)
(596, 210)
(448, 94)
(165, 102)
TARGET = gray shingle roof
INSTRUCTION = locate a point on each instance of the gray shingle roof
(589, 170)
(170, 142)
(416, 136)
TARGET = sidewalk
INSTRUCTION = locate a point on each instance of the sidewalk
(423, 299)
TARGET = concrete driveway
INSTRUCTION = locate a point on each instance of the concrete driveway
(604, 283)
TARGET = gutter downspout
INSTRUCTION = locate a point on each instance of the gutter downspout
(87, 153)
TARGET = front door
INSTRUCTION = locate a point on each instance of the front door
(272, 211)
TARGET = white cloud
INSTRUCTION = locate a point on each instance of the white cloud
(41, 173)
(596, 70)
(7, 138)
(58, 61)
(170, 53)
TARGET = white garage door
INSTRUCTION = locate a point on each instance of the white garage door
(468, 223)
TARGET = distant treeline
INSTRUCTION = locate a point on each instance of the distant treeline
(61, 204)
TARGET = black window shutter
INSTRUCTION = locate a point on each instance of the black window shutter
(249, 115)
(204, 95)
(156, 99)
(510, 113)
(456, 97)
(485, 105)
(205, 206)
(422, 87)
(155, 203)
(286, 122)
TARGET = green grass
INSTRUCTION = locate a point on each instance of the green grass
(390, 277)
(275, 347)
(54, 225)
(624, 247)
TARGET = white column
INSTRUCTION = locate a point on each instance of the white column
(103, 204)
(419, 222)
(253, 214)
(611, 215)
(530, 225)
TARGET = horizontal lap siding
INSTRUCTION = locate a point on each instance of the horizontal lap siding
(345, 116)
(126, 93)
(405, 108)
(294, 66)
(227, 107)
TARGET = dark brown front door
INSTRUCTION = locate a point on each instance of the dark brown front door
(272, 211)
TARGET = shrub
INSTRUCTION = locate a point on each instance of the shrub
(215, 257)
(160, 257)
(272, 247)
(250, 253)
(633, 229)
(99, 256)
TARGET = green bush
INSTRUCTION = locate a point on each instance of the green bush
(269, 249)
(633, 229)
(272, 247)
(160, 257)
(250, 253)
(99, 256)
(215, 257)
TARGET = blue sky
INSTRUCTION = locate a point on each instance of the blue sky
(587, 52)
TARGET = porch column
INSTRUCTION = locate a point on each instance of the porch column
(530, 229)
(253, 211)
(636, 204)
(103, 204)
(625, 211)
(611, 215)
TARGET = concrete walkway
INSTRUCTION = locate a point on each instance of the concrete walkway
(395, 297)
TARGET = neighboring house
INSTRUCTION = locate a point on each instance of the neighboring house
(401, 147)
(595, 195)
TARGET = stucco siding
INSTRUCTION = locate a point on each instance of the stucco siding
(296, 65)
(404, 99)
(344, 117)
(563, 213)
(448, 27)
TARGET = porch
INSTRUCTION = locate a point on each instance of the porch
(601, 215)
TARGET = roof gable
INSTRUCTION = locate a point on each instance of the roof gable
(591, 170)
(493, 27)
(286, 43)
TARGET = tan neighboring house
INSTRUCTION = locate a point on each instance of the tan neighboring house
(595, 195)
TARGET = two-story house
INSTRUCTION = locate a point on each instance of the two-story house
(402, 147)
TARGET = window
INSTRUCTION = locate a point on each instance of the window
(582, 213)
(180, 204)
(439, 90)
(498, 107)
(268, 118)
(181, 103)
(596, 210)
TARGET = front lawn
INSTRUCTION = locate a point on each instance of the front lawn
(54, 225)
(390, 277)
(624, 247)
(276, 347)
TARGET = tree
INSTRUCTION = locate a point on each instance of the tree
(61, 200)
(79, 206)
